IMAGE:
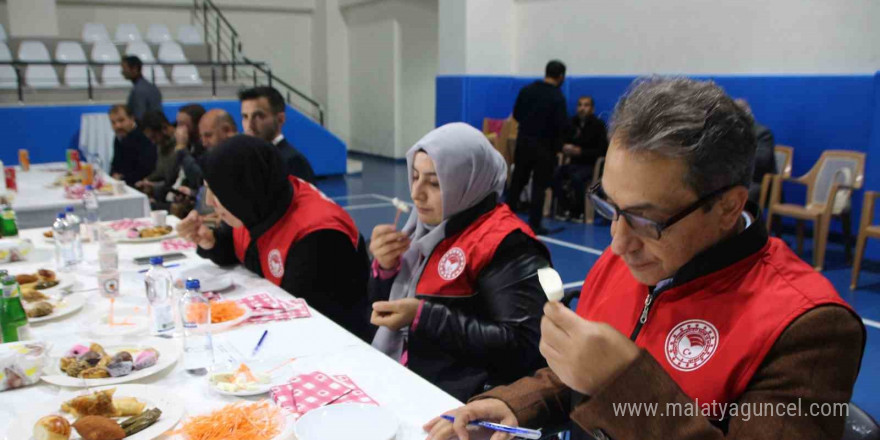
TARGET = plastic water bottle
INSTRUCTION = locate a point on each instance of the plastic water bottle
(76, 227)
(158, 281)
(90, 200)
(65, 252)
(195, 314)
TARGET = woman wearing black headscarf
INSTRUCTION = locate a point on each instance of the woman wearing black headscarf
(284, 229)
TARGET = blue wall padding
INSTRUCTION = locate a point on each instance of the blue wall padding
(811, 113)
(46, 131)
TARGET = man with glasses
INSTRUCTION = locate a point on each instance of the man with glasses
(692, 309)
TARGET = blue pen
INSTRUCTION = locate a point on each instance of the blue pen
(260, 343)
(519, 432)
(167, 266)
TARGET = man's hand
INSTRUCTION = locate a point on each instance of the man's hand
(117, 176)
(394, 314)
(571, 150)
(584, 354)
(387, 245)
(489, 410)
(192, 229)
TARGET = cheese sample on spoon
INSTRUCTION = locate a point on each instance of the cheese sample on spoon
(400, 205)
(551, 282)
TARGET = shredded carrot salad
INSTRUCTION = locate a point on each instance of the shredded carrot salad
(238, 421)
(222, 311)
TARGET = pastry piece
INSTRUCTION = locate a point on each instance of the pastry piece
(45, 284)
(49, 234)
(122, 356)
(91, 357)
(46, 274)
(128, 406)
(52, 428)
(74, 366)
(77, 350)
(99, 403)
(40, 309)
(120, 368)
(95, 373)
(31, 295)
(98, 349)
(26, 278)
(98, 428)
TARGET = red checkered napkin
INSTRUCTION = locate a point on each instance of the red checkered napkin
(306, 392)
(128, 223)
(177, 244)
(266, 308)
(357, 395)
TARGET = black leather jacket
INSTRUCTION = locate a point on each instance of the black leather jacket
(467, 345)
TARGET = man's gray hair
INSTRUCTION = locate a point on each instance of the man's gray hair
(692, 120)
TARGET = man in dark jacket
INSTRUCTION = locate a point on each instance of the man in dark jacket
(144, 96)
(134, 156)
(587, 142)
(263, 115)
(540, 111)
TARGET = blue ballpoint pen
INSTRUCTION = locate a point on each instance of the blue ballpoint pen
(518, 432)
(259, 343)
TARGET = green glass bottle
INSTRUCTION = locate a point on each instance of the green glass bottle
(13, 319)
(8, 224)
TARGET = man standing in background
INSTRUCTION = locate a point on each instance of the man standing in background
(144, 96)
(540, 111)
(263, 115)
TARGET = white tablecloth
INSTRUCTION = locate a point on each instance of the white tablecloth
(37, 202)
(316, 342)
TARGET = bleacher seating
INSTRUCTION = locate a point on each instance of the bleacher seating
(186, 74)
(5, 54)
(105, 52)
(33, 51)
(171, 52)
(2, 33)
(111, 76)
(158, 34)
(189, 34)
(76, 76)
(126, 33)
(41, 77)
(140, 50)
(155, 74)
(70, 52)
(95, 32)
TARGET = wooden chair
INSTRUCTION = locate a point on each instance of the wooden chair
(784, 155)
(866, 230)
(830, 184)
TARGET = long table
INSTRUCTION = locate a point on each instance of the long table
(38, 202)
(318, 343)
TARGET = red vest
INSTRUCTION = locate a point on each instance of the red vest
(710, 334)
(309, 211)
(456, 261)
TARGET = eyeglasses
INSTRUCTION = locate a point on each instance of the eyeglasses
(640, 225)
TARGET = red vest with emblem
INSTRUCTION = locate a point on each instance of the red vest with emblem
(309, 211)
(455, 263)
(710, 334)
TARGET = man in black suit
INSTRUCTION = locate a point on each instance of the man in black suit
(134, 156)
(262, 116)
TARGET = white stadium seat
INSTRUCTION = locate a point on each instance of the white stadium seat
(2, 33)
(7, 78)
(76, 75)
(30, 51)
(70, 52)
(171, 52)
(105, 52)
(189, 34)
(111, 76)
(155, 74)
(186, 75)
(5, 54)
(127, 32)
(95, 32)
(140, 50)
(158, 33)
(41, 77)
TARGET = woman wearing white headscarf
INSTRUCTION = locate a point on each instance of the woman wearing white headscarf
(455, 293)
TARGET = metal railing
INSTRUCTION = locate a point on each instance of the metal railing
(219, 72)
(224, 43)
